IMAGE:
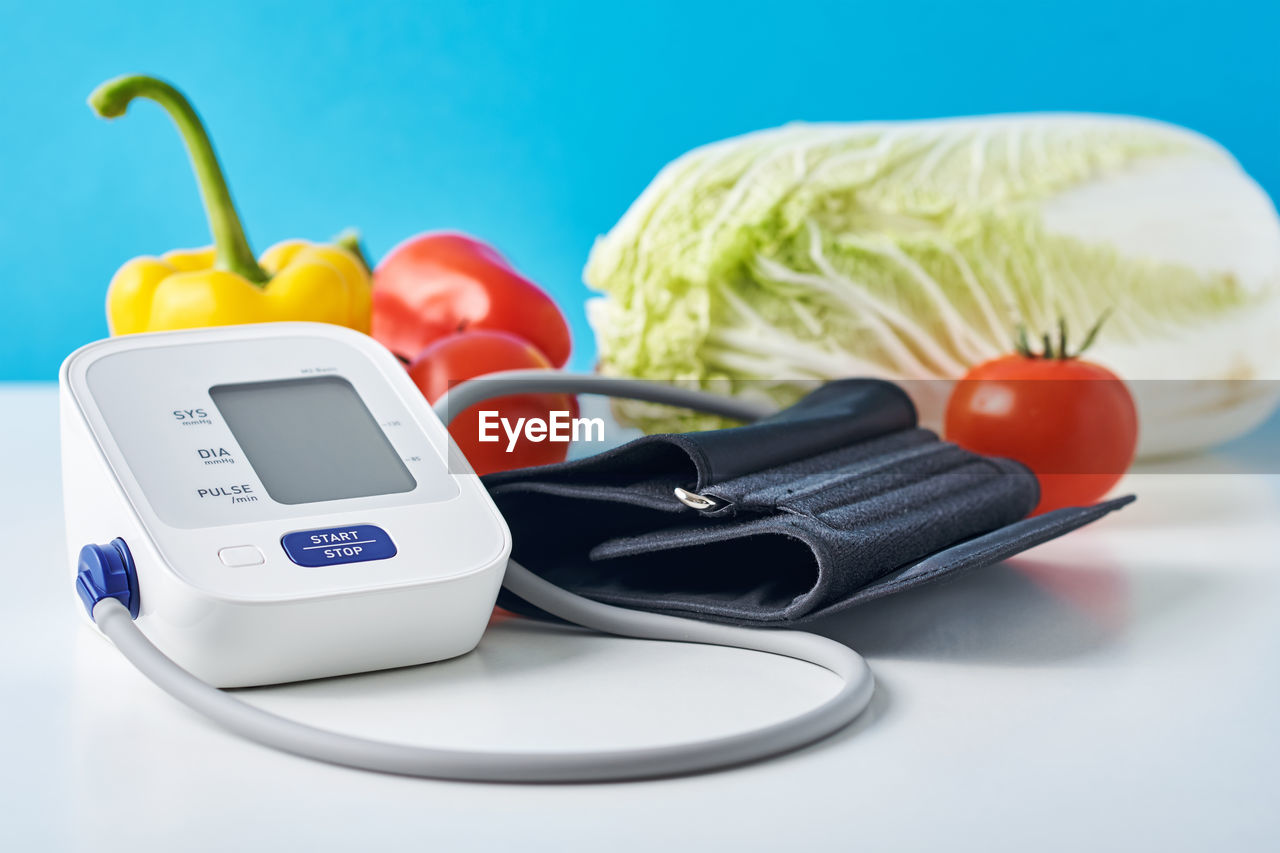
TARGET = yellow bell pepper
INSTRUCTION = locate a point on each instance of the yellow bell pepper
(223, 284)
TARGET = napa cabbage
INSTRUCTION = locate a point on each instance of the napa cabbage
(913, 250)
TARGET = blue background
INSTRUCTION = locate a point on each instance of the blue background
(532, 125)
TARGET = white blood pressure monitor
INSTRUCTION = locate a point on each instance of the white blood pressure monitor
(292, 506)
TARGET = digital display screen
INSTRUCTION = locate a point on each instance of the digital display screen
(311, 440)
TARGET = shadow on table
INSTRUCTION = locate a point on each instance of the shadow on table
(1023, 611)
(527, 647)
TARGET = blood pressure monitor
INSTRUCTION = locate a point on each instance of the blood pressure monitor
(277, 502)
(292, 506)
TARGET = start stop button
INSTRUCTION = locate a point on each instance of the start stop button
(334, 545)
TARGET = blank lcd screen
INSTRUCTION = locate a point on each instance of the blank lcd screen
(311, 440)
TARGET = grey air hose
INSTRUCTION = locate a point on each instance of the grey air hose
(264, 727)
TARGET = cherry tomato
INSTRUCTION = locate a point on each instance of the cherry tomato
(466, 355)
(440, 283)
(1071, 422)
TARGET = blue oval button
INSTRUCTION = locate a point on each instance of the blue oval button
(334, 545)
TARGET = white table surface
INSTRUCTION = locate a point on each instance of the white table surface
(1114, 690)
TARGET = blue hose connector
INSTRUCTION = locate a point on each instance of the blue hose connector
(106, 571)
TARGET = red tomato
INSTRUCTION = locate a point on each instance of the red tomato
(1071, 422)
(467, 355)
(437, 284)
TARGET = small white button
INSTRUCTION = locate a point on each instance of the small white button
(241, 555)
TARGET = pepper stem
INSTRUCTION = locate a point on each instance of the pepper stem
(112, 98)
(349, 239)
